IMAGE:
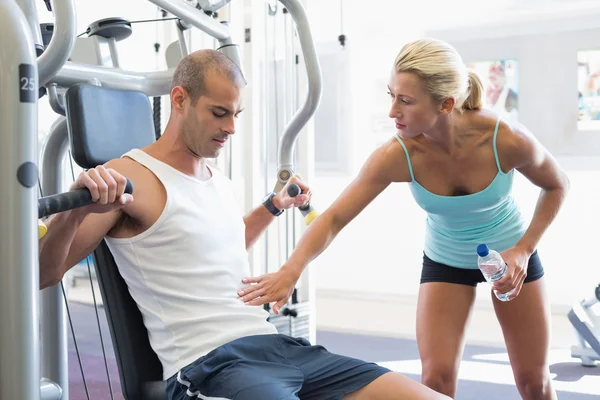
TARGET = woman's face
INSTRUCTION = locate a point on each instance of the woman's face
(413, 109)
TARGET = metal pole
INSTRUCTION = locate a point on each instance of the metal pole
(55, 351)
(293, 128)
(30, 11)
(194, 17)
(114, 51)
(19, 285)
(151, 83)
(55, 102)
(62, 42)
(182, 43)
(50, 391)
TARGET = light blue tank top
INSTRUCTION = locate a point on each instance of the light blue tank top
(456, 225)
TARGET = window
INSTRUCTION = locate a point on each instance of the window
(331, 120)
(588, 90)
(500, 86)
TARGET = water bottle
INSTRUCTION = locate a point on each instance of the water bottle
(492, 267)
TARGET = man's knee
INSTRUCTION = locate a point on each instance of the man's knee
(393, 385)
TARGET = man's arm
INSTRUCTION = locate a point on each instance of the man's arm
(258, 220)
(74, 234)
(260, 217)
(71, 237)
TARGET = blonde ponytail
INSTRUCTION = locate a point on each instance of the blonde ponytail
(443, 71)
(474, 93)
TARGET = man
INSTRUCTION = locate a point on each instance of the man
(181, 246)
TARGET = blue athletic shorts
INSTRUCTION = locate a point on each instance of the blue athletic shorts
(271, 367)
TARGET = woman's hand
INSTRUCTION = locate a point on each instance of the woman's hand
(275, 287)
(517, 260)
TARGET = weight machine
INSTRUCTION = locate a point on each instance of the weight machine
(585, 318)
(34, 60)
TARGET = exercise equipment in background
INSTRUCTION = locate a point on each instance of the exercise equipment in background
(585, 318)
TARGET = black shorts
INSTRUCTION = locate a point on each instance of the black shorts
(272, 367)
(436, 272)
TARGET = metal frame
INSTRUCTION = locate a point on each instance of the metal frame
(60, 46)
(587, 328)
(53, 312)
(19, 294)
(21, 74)
(315, 87)
(30, 12)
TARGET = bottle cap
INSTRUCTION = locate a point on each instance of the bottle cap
(483, 250)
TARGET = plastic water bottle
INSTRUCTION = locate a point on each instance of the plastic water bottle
(492, 267)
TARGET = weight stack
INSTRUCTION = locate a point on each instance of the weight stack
(293, 320)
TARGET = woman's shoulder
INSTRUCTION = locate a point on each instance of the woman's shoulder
(391, 159)
(488, 123)
(514, 142)
(397, 144)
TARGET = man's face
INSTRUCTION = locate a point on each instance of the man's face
(209, 122)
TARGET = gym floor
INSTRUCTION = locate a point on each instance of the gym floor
(485, 370)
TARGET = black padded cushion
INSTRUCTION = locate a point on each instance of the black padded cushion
(139, 368)
(105, 123)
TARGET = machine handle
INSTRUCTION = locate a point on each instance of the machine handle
(69, 200)
(307, 210)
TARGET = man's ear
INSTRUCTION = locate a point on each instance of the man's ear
(178, 98)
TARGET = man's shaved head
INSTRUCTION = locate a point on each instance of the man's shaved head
(194, 69)
(206, 99)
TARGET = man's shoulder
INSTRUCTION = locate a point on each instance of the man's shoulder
(148, 193)
(125, 166)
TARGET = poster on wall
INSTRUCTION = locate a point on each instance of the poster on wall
(588, 89)
(500, 85)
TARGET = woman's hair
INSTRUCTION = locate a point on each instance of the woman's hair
(443, 72)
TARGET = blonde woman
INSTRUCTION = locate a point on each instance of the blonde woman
(459, 162)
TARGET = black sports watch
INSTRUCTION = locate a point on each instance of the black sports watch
(268, 203)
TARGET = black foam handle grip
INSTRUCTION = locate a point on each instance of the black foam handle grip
(293, 191)
(69, 200)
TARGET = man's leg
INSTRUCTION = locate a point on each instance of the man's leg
(249, 368)
(393, 386)
(331, 376)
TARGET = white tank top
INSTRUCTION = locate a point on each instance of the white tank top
(184, 272)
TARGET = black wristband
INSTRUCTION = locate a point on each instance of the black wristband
(268, 203)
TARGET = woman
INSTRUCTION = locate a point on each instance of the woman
(459, 162)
